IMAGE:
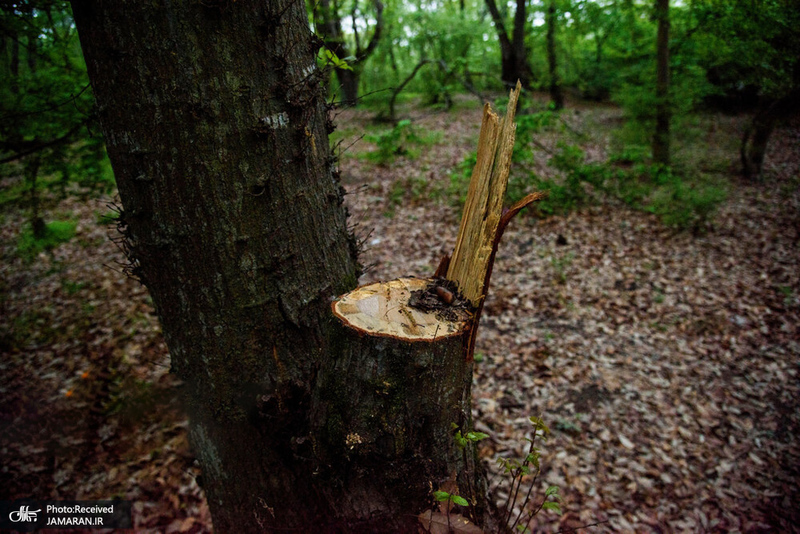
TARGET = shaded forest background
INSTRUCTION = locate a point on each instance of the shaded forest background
(648, 310)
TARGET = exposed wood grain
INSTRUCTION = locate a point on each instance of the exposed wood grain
(483, 208)
(381, 309)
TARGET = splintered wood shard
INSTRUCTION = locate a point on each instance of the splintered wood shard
(472, 257)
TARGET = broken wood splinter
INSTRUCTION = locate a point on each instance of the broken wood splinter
(450, 303)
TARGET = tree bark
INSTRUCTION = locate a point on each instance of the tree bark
(556, 95)
(215, 124)
(661, 137)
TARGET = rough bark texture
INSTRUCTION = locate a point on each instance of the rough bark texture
(661, 138)
(215, 124)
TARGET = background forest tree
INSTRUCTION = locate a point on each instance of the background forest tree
(730, 55)
(45, 111)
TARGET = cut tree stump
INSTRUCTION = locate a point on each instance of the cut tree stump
(403, 368)
(403, 389)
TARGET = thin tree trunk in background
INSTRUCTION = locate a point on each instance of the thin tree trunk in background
(522, 69)
(598, 51)
(32, 52)
(401, 86)
(348, 85)
(756, 137)
(38, 225)
(330, 28)
(630, 19)
(556, 95)
(14, 63)
(661, 138)
(513, 54)
(393, 60)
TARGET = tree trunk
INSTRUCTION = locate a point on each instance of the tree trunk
(348, 85)
(330, 28)
(215, 125)
(598, 50)
(32, 52)
(556, 96)
(392, 351)
(513, 54)
(38, 225)
(14, 62)
(522, 69)
(661, 138)
(756, 137)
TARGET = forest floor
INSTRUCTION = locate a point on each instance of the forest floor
(666, 363)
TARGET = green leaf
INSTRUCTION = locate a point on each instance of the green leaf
(551, 490)
(461, 501)
(338, 63)
(538, 424)
(552, 506)
(476, 436)
(441, 495)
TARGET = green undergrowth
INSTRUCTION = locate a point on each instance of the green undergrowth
(79, 177)
(684, 196)
(56, 233)
(376, 101)
(404, 139)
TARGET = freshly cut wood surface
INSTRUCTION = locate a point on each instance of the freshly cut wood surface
(483, 208)
(382, 309)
